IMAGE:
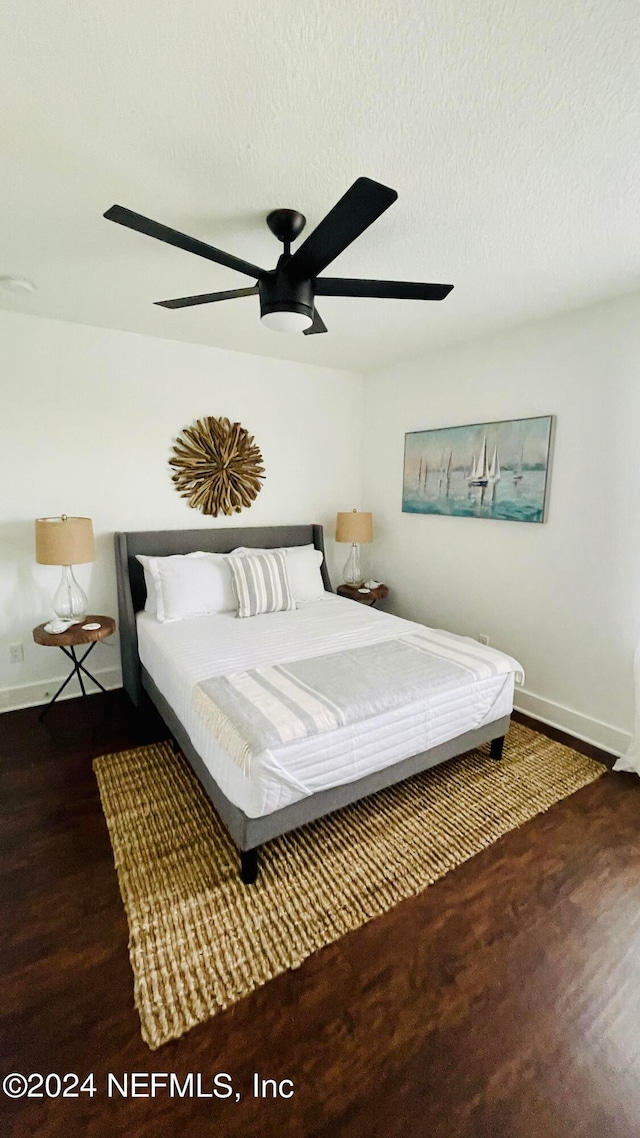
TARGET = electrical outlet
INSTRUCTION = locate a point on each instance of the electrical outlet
(483, 638)
(16, 653)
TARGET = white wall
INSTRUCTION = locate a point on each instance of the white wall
(563, 597)
(87, 423)
(89, 415)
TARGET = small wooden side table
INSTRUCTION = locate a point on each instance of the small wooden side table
(68, 641)
(368, 597)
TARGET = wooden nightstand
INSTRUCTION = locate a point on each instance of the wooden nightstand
(68, 641)
(369, 597)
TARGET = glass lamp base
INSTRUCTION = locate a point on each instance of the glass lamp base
(352, 570)
(70, 601)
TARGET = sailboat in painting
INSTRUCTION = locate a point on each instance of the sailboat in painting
(517, 474)
(445, 473)
(494, 468)
(481, 473)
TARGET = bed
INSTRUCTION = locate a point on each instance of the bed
(295, 783)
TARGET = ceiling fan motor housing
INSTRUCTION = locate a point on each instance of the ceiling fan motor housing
(280, 293)
(287, 293)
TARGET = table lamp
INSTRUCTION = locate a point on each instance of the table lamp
(66, 541)
(358, 529)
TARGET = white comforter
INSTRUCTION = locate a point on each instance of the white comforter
(180, 654)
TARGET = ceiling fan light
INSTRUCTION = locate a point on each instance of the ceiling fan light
(285, 320)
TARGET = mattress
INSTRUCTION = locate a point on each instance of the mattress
(180, 654)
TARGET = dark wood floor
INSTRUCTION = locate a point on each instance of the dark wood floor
(503, 1002)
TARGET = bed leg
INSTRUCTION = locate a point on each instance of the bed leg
(497, 746)
(249, 866)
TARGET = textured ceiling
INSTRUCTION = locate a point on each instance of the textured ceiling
(508, 129)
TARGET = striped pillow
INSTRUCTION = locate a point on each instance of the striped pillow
(261, 583)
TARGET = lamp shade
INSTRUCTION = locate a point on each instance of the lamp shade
(354, 527)
(64, 541)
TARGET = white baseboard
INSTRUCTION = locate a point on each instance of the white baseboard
(32, 695)
(604, 735)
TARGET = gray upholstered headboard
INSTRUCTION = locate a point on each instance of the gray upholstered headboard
(162, 543)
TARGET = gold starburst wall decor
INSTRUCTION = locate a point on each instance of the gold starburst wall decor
(218, 466)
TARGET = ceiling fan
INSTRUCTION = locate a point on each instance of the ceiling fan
(288, 292)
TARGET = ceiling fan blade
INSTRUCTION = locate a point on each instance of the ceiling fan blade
(355, 212)
(136, 221)
(317, 326)
(206, 298)
(391, 290)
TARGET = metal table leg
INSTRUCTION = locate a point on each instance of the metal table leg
(78, 668)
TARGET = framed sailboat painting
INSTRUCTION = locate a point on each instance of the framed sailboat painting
(480, 470)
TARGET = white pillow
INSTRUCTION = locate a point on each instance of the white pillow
(149, 580)
(192, 584)
(303, 569)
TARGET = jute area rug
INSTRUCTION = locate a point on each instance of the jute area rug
(200, 940)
